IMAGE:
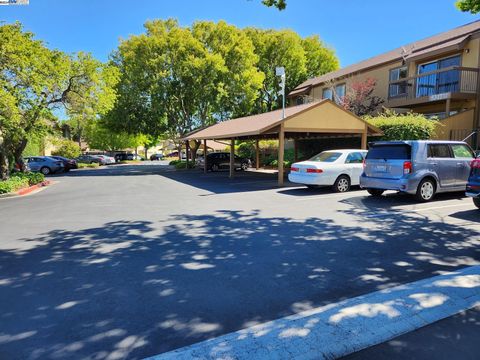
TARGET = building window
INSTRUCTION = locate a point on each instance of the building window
(327, 93)
(339, 93)
(398, 88)
(434, 81)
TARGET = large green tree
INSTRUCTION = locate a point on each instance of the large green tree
(472, 6)
(175, 79)
(35, 82)
(301, 58)
(279, 4)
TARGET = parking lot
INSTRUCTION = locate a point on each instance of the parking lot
(130, 261)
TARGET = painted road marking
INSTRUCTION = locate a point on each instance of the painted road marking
(407, 210)
(342, 328)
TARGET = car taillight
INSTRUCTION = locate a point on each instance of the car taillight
(293, 169)
(316, 171)
(407, 167)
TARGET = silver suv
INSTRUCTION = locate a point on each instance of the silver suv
(422, 168)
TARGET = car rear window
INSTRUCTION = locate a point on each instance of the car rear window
(394, 152)
(326, 156)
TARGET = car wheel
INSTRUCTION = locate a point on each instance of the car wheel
(426, 190)
(244, 166)
(342, 184)
(375, 192)
(45, 170)
(214, 167)
(476, 201)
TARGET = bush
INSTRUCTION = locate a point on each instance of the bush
(68, 149)
(183, 165)
(13, 184)
(32, 178)
(84, 165)
(246, 150)
(286, 163)
(408, 126)
(174, 162)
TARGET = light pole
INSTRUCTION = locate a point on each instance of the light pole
(280, 71)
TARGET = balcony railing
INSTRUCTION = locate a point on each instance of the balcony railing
(434, 84)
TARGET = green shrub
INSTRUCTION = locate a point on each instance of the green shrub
(409, 126)
(68, 149)
(84, 165)
(246, 150)
(183, 165)
(32, 178)
(286, 163)
(13, 184)
(174, 162)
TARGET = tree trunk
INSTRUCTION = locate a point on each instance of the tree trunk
(146, 152)
(180, 151)
(18, 154)
(4, 165)
(194, 150)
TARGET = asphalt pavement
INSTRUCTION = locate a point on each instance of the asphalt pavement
(130, 261)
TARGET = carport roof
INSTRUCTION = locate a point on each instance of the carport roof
(268, 123)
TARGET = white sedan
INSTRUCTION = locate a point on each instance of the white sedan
(337, 168)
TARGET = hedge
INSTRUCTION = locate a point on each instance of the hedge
(84, 165)
(13, 184)
(33, 178)
(183, 165)
(409, 126)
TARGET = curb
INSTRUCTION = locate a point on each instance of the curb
(27, 190)
(339, 329)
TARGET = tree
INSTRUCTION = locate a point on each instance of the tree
(100, 137)
(279, 4)
(359, 98)
(175, 79)
(301, 58)
(67, 148)
(472, 6)
(39, 81)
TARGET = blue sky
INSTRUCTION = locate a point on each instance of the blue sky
(357, 29)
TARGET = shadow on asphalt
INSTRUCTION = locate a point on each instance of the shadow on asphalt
(131, 289)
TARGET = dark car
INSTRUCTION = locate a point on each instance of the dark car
(124, 157)
(90, 159)
(473, 185)
(68, 164)
(156, 157)
(221, 160)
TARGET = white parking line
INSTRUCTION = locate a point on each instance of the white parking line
(339, 329)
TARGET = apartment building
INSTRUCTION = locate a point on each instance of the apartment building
(436, 76)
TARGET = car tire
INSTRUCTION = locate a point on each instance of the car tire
(476, 201)
(375, 192)
(214, 167)
(342, 184)
(244, 166)
(426, 190)
(45, 170)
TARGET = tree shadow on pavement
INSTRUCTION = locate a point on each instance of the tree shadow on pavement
(132, 289)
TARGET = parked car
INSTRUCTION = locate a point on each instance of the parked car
(221, 160)
(337, 168)
(107, 159)
(44, 164)
(156, 157)
(473, 184)
(68, 164)
(17, 167)
(124, 157)
(422, 168)
(91, 159)
(175, 155)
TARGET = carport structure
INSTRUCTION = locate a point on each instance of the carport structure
(323, 119)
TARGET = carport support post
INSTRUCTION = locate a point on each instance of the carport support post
(295, 150)
(205, 156)
(187, 148)
(281, 151)
(364, 137)
(257, 154)
(232, 158)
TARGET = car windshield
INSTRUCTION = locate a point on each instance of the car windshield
(326, 156)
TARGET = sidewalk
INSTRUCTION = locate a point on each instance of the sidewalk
(454, 338)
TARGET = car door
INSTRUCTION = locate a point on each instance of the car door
(463, 157)
(442, 163)
(224, 161)
(354, 166)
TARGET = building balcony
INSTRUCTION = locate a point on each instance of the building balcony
(454, 82)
